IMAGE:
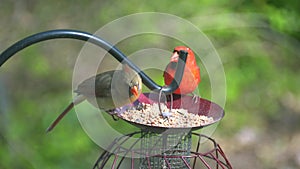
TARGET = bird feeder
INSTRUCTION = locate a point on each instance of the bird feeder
(155, 146)
(163, 147)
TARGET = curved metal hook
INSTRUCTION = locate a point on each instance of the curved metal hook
(84, 36)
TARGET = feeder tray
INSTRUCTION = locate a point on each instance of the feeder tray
(200, 107)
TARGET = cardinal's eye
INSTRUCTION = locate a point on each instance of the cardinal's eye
(135, 84)
(131, 84)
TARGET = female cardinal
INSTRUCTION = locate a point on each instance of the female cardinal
(191, 75)
(107, 90)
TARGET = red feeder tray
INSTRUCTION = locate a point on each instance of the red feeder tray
(200, 107)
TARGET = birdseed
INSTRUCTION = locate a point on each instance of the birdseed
(147, 114)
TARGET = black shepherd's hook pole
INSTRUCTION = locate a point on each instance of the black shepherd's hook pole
(84, 36)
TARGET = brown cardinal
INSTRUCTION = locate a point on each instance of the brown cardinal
(107, 90)
(191, 75)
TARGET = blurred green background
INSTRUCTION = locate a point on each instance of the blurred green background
(257, 41)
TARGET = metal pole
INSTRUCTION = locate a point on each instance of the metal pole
(117, 54)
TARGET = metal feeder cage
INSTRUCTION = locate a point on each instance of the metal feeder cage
(151, 151)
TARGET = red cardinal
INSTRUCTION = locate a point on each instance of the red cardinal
(191, 76)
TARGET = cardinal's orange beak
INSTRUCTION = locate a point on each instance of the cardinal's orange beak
(134, 91)
(174, 57)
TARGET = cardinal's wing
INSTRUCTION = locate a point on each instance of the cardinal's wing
(99, 85)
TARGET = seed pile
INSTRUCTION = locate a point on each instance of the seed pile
(150, 115)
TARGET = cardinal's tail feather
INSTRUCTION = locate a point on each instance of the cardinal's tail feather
(78, 99)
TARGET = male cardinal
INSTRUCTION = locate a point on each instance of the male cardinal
(107, 90)
(191, 75)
